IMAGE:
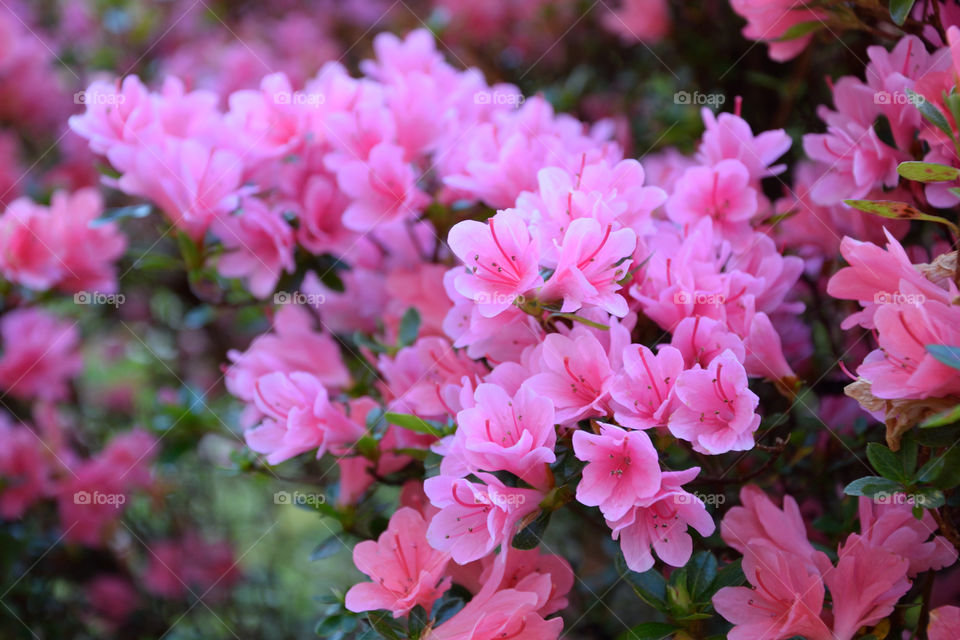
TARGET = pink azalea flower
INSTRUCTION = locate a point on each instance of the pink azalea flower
(191, 566)
(944, 622)
(639, 20)
(764, 355)
(383, 189)
(592, 262)
(522, 570)
(321, 217)
(622, 468)
(576, 374)
(40, 355)
(701, 339)
(258, 246)
(786, 599)
(894, 528)
(721, 192)
(404, 569)
(506, 433)
(116, 115)
(717, 409)
(299, 418)
(769, 20)
(729, 136)
(643, 391)
(475, 518)
(23, 468)
(501, 259)
(112, 597)
(865, 586)
(661, 521)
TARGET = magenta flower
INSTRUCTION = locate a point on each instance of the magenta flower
(501, 258)
(643, 392)
(717, 409)
(475, 518)
(591, 264)
(40, 355)
(661, 522)
(622, 468)
(404, 569)
(576, 374)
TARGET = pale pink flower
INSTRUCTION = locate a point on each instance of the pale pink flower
(40, 355)
(765, 357)
(894, 528)
(320, 216)
(501, 258)
(717, 411)
(382, 189)
(404, 569)
(643, 391)
(661, 522)
(729, 136)
(258, 246)
(575, 373)
(622, 468)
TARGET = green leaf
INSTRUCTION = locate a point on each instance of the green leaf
(701, 572)
(942, 419)
(872, 486)
(649, 585)
(908, 453)
(190, 251)
(531, 535)
(897, 211)
(729, 576)
(948, 355)
(649, 631)
(446, 608)
(929, 498)
(931, 113)
(799, 30)
(412, 423)
(928, 172)
(385, 625)
(409, 327)
(329, 547)
(886, 462)
(417, 621)
(942, 471)
(113, 215)
(900, 9)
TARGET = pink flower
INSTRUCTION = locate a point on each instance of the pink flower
(765, 355)
(944, 622)
(721, 192)
(501, 259)
(115, 115)
(769, 20)
(475, 518)
(300, 418)
(639, 20)
(701, 339)
(405, 570)
(24, 470)
(576, 374)
(661, 521)
(258, 246)
(592, 262)
(190, 566)
(383, 189)
(717, 409)
(40, 355)
(321, 217)
(506, 433)
(786, 599)
(622, 468)
(643, 391)
(524, 571)
(865, 586)
(894, 528)
(729, 136)
(112, 597)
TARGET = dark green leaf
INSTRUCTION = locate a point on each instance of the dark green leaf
(929, 498)
(943, 470)
(649, 585)
(946, 354)
(327, 548)
(409, 327)
(701, 572)
(729, 576)
(649, 631)
(900, 9)
(931, 113)
(531, 535)
(886, 462)
(446, 608)
(942, 419)
(872, 486)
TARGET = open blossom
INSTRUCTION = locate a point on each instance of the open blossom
(575, 373)
(944, 621)
(622, 468)
(258, 244)
(701, 339)
(643, 391)
(405, 570)
(721, 192)
(40, 355)
(501, 259)
(475, 518)
(661, 522)
(383, 189)
(24, 470)
(728, 136)
(300, 418)
(717, 410)
(524, 571)
(592, 262)
(506, 433)
(893, 527)
(769, 20)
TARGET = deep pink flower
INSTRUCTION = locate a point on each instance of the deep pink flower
(701, 339)
(944, 622)
(40, 354)
(501, 259)
(576, 374)
(643, 391)
(717, 409)
(24, 469)
(404, 569)
(112, 597)
(769, 20)
(721, 192)
(661, 521)
(893, 527)
(639, 20)
(190, 566)
(258, 244)
(622, 469)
